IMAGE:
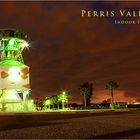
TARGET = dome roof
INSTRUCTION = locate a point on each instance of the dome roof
(7, 62)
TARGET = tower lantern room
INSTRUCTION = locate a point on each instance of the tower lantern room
(12, 44)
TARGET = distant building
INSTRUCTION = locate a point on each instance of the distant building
(121, 104)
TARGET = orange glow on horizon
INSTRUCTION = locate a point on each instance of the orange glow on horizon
(119, 96)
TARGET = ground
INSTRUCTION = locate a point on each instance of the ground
(79, 125)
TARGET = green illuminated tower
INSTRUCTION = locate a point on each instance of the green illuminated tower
(14, 74)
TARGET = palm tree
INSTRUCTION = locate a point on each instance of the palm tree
(53, 101)
(47, 103)
(56, 101)
(111, 85)
(86, 91)
(63, 97)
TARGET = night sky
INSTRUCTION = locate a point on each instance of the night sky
(67, 50)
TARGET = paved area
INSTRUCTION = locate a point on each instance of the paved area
(71, 125)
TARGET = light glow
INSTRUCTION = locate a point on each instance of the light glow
(11, 42)
(24, 44)
(14, 73)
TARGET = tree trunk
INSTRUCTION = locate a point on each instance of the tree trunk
(58, 106)
(63, 105)
(85, 101)
(67, 105)
(112, 99)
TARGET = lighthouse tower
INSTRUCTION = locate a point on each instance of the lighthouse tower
(14, 74)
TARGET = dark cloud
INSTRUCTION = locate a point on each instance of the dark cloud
(67, 49)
